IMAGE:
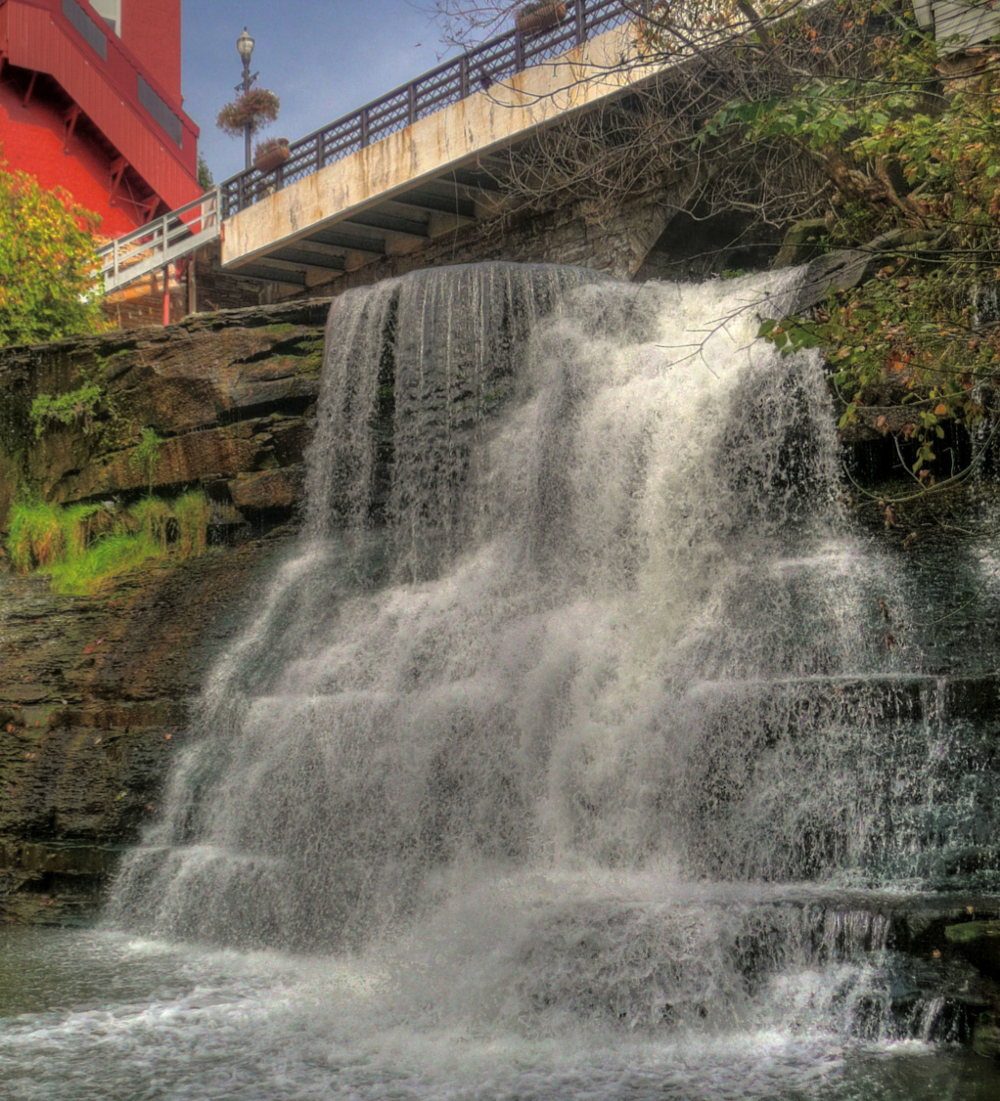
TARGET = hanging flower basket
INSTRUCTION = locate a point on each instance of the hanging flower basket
(271, 154)
(540, 16)
(253, 109)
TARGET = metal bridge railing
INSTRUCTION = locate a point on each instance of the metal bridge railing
(152, 246)
(494, 61)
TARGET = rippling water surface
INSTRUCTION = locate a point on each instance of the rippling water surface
(87, 1015)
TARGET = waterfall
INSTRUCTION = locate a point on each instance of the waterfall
(576, 654)
(582, 745)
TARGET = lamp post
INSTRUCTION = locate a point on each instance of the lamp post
(245, 46)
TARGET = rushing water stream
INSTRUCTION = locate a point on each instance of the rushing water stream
(580, 750)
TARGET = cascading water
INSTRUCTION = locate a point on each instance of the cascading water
(570, 744)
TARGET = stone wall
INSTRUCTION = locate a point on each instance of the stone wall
(210, 289)
(573, 234)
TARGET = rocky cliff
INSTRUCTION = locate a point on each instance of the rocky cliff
(95, 690)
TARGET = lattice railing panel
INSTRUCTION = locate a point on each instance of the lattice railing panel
(340, 140)
(441, 89)
(388, 115)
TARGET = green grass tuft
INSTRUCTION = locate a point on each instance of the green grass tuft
(36, 537)
(192, 511)
(104, 560)
(85, 546)
(152, 517)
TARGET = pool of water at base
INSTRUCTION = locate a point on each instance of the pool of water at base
(96, 1016)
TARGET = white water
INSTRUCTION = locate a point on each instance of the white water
(576, 652)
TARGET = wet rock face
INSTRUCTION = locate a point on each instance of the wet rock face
(978, 942)
(229, 394)
(94, 702)
(95, 692)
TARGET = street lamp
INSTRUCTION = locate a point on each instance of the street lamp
(245, 46)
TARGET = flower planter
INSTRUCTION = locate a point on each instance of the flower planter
(272, 157)
(541, 19)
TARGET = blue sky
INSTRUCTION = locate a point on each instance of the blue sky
(323, 59)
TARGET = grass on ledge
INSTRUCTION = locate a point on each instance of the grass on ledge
(84, 548)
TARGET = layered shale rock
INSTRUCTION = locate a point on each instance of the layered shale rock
(228, 394)
(95, 691)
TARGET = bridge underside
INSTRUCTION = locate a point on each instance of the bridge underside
(405, 224)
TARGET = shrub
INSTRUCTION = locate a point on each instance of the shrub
(48, 263)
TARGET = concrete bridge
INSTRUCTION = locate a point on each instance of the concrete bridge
(406, 171)
(393, 185)
(414, 165)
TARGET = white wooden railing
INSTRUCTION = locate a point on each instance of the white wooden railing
(158, 243)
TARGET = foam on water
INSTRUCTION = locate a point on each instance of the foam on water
(178, 1023)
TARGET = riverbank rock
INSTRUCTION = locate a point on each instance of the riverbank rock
(96, 692)
(979, 943)
(216, 399)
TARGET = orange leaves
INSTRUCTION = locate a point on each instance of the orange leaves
(897, 361)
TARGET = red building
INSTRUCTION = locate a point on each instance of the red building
(90, 100)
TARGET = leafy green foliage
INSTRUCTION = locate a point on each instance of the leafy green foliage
(906, 341)
(205, 179)
(911, 141)
(48, 263)
(75, 405)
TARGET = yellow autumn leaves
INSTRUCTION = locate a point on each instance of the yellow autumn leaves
(48, 263)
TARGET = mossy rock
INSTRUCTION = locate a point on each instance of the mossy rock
(986, 1036)
(803, 242)
(979, 943)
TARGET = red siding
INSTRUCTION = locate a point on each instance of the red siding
(38, 38)
(32, 140)
(152, 31)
